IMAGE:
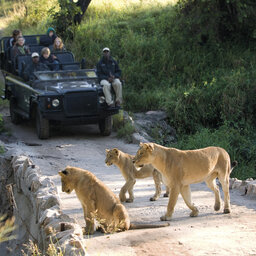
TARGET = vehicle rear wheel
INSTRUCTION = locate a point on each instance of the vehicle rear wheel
(105, 126)
(15, 118)
(42, 126)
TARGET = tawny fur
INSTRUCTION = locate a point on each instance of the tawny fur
(130, 173)
(96, 197)
(180, 168)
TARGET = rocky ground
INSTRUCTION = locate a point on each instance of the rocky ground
(211, 233)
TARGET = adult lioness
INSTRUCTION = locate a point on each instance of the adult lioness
(124, 162)
(181, 168)
(96, 197)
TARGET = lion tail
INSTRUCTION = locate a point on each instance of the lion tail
(144, 226)
(233, 165)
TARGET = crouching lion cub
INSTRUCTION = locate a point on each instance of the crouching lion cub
(96, 197)
(181, 168)
(130, 173)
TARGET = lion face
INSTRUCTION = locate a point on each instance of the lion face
(111, 156)
(66, 182)
(143, 154)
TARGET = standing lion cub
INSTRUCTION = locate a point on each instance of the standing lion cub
(130, 173)
(97, 199)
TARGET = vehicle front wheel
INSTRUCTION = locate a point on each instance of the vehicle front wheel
(15, 118)
(105, 126)
(42, 126)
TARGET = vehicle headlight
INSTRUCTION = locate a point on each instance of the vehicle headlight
(55, 103)
(101, 99)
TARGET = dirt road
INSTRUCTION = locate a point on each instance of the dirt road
(211, 233)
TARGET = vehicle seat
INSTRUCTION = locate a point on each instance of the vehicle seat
(30, 40)
(22, 61)
(66, 60)
(36, 48)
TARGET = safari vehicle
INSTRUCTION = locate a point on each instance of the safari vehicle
(69, 96)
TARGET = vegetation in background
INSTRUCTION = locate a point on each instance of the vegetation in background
(195, 59)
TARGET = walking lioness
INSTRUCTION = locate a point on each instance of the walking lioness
(124, 162)
(97, 199)
(181, 168)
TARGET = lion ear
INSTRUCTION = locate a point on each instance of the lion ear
(141, 144)
(63, 173)
(107, 150)
(151, 146)
(116, 151)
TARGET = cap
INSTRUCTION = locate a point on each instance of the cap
(105, 49)
(34, 54)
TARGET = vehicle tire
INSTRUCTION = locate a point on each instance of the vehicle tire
(15, 118)
(105, 126)
(42, 126)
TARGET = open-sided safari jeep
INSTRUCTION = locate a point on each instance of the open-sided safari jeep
(69, 96)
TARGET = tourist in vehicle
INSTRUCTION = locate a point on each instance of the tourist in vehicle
(20, 48)
(109, 73)
(58, 45)
(15, 34)
(49, 59)
(34, 66)
(49, 38)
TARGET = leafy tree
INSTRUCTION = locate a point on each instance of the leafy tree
(70, 14)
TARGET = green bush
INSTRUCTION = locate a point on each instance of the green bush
(238, 140)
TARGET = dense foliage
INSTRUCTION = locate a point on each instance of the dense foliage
(195, 59)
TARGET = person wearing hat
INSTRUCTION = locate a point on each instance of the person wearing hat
(49, 38)
(109, 74)
(34, 66)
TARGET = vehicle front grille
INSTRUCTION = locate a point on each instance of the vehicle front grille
(81, 103)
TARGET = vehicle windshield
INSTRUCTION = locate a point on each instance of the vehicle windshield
(64, 74)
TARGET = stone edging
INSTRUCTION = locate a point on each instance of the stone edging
(49, 224)
(247, 187)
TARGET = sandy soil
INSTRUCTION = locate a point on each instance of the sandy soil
(211, 233)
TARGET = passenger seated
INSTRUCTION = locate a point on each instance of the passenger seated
(58, 45)
(13, 40)
(49, 59)
(49, 38)
(20, 48)
(32, 67)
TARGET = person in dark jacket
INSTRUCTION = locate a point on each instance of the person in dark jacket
(49, 38)
(15, 34)
(36, 65)
(20, 48)
(49, 59)
(109, 73)
(58, 45)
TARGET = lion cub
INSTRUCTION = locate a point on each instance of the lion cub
(96, 197)
(124, 162)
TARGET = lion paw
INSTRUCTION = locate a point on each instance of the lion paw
(166, 195)
(217, 207)
(129, 200)
(165, 218)
(122, 198)
(152, 199)
(227, 210)
(194, 213)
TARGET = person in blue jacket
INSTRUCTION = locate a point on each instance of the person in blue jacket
(109, 74)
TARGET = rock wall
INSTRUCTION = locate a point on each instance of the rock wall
(246, 187)
(35, 203)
